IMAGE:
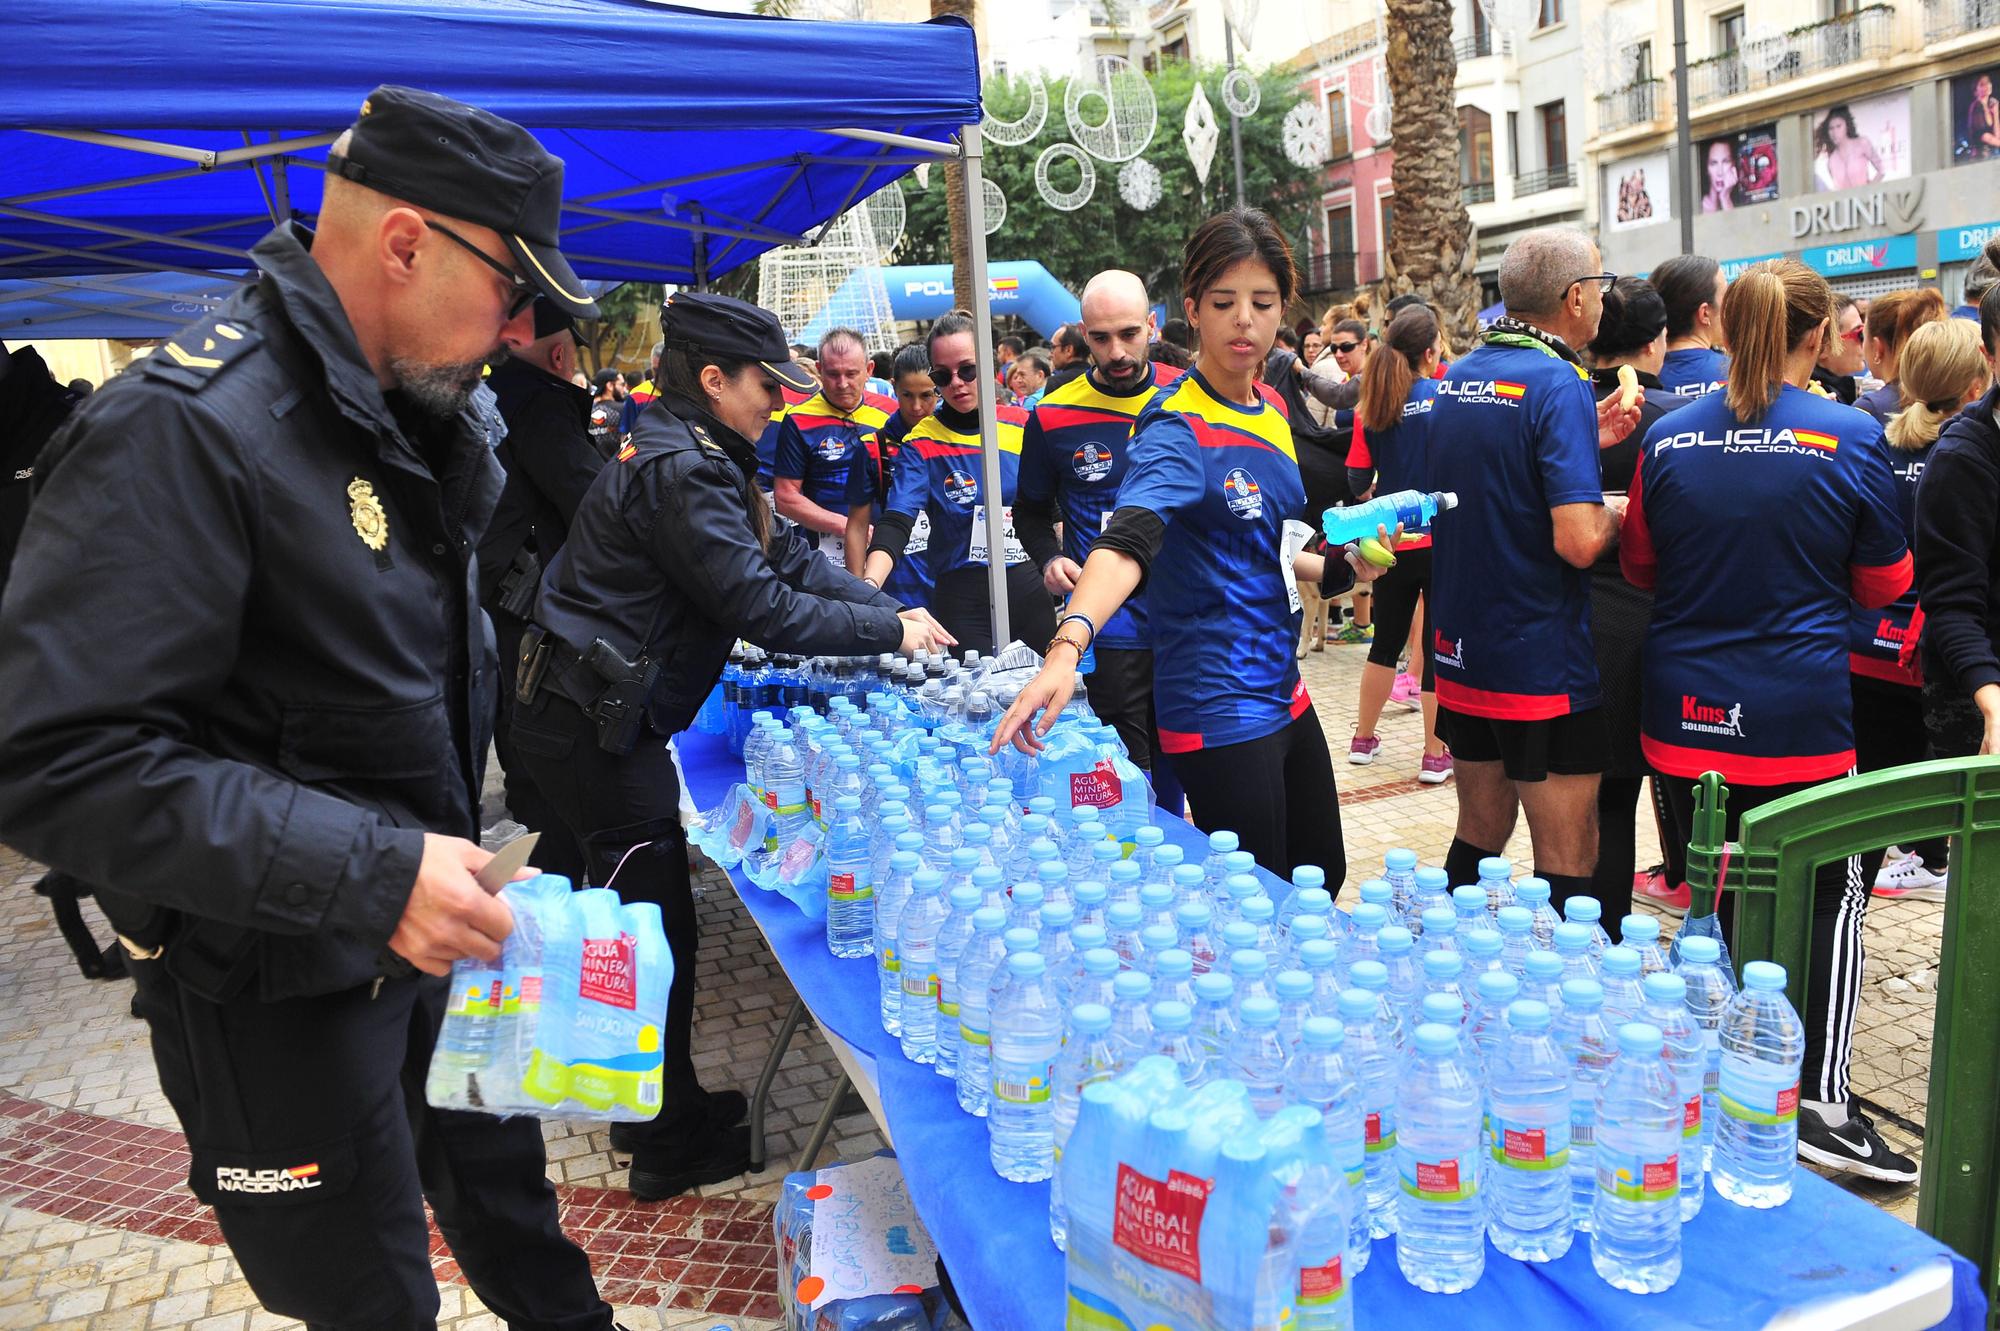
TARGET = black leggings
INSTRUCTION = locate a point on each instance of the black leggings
(963, 603)
(1396, 595)
(1617, 844)
(1889, 732)
(1276, 794)
(1833, 984)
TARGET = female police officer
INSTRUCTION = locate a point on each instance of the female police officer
(671, 558)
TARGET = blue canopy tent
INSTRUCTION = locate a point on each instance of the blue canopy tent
(155, 136)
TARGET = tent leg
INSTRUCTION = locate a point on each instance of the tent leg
(970, 152)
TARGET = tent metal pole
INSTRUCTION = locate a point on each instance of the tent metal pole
(652, 186)
(104, 250)
(700, 249)
(99, 186)
(931, 146)
(990, 488)
(743, 230)
(128, 233)
(281, 182)
(205, 158)
(715, 261)
(263, 186)
(96, 256)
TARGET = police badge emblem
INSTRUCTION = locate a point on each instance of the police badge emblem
(371, 524)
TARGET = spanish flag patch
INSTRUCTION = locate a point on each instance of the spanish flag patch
(1504, 389)
(1814, 439)
(627, 453)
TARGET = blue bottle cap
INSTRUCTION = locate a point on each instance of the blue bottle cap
(1222, 843)
(1400, 860)
(1322, 1033)
(1171, 1015)
(1370, 975)
(1534, 891)
(1293, 984)
(1155, 896)
(1248, 962)
(1313, 901)
(988, 919)
(1100, 961)
(1194, 914)
(848, 762)
(1442, 1009)
(1495, 867)
(964, 860)
(1132, 984)
(1527, 1014)
(1584, 910)
(993, 815)
(1123, 871)
(1700, 951)
(1241, 886)
(1041, 804)
(1395, 940)
(1431, 878)
(1086, 936)
(1765, 976)
(1090, 891)
(1438, 920)
(1378, 891)
(1572, 937)
(1258, 909)
(1584, 995)
(1186, 878)
(1436, 1040)
(1543, 965)
(1258, 1010)
(978, 834)
(1498, 986)
(1664, 988)
(1370, 917)
(1050, 870)
(1309, 875)
(1305, 928)
(1149, 836)
(1173, 963)
(903, 861)
(1620, 961)
(1214, 987)
(1638, 1037)
(1319, 953)
(986, 877)
(927, 880)
(1173, 857)
(1108, 852)
(1239, 861)
(1482, 944)
(1238, 934)
(1157, 938)
(1026, 965)
(1469, 898)
(1027, 895)
(1637, 928)
(1083, 813)
(965, 897)
(1056, 915)
(1123, 915)
(1442, 964)
(1090, 1018)
(1515, 920)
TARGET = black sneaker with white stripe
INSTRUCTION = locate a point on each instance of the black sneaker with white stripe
(1852, 1148)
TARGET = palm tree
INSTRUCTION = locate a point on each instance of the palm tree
(954, 188)
(1431, 248)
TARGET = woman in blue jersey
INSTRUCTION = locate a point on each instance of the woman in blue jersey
(940, 474)
(1201, 520)
(1692, 287)
(1756, 513)
(1388, 453)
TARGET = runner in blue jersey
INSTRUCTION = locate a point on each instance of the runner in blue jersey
(1075, 454)
(1692, 287)
(1208, 519)
(1390, 451)
(940, 473)
(819, 438)
(1515, 434)
(1755, 514)
(874, 471)
(1941, 369)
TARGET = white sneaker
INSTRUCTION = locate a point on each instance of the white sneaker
(1904, 878)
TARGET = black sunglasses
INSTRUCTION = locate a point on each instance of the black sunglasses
(966, 373)
(1344, 348)
(523, 291)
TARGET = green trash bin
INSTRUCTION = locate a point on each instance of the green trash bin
(1770, 869)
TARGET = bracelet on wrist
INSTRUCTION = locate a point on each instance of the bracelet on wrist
(1083, 619)
(1060, 641)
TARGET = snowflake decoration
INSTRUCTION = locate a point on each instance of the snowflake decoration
(1139, 184)
(1305, 135)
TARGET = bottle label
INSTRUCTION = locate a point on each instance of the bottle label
(1379, 1131)
(610, 972)
(746, 814)
(1691, 1117)
(1321, 1286)
(919, 983)
(890, 961)
(1630, 1178)
(1749, 1097)
(844, 887)
(1518, 1146)
(1024, 1086)
(946, 1007)
(1159, 1222)
(1099, 787)
(968, 1035)
(1439, 1180)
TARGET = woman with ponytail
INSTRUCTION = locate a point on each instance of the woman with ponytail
(1941, 370)
(1891, 320)
(1390, 449)
(1755, 514)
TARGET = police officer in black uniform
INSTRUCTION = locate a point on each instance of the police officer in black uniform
(674, 556)
(550, 462)
(248, 689)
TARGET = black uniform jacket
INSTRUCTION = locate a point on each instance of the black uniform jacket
(243, 665)
(550, 462)
(662, 561)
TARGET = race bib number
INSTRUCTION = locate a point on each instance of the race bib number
(833, 546)
(975, 550)
(1104, 522)
(1294, 540)
(920, 536)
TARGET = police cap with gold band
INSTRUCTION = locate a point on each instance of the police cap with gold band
(736, 330)
(468, 164)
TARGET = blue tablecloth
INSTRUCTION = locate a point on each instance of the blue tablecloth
(1743, 1267)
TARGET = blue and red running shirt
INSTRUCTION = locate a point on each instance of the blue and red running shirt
(1513, 433)
(1692, 371)
(1076, 450)
(868, 487)
(1400, 455)
(817, 444)
(1223, 476)
(1875, 635)
(939, 474)
(767, 442)
(1753, 537)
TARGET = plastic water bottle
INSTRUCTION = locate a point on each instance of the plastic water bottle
(1052, 876)
(1618, 972)
(1431, 890)
(1146, 842)
(917, 964)
(1096, 968)
(1155, 939)
(1364, 944)
(1121, 928)
(1173, 977)
(1440, 931)
(1528, 1116)
(1192, 921)
(1156, 900)
(1757, 1130)
(1532, 895)
(1024, 906)
(1237, 889)
(1635, 1239)
(1517, 938)
(1259, 1056)
(1319, 959)
(1089, 895)
(1399, 867)
(898, 887)
(977, 967)
(1396, 950)
(1237, 936)
(1215, 1013)
(953, 939)
(1321, 1076)
(1304, 929)
(1572, 942)
(1710, 987)
(941, 836)
(1027, 1038)
(1483, 949)
(1058, 946)
(1371, 1051)
(1261, 913)
(1588, 1048)
(1106, 856)
(1541, 979)
(1305, 878)
(1084, 830)
(1641, 933)
(1414, 509)
(1131, 1013)
(1496, 877)
(1492, 994)
(756, 754)
(1687, 1058)
(1088, 1056)
(1174, 1037)
(1469, 905)
(1372, 977)
(1213, 874)
(850, 893)
(1441, 1220)
(1444, 973)
(1294, 989)
(1250, 970)
(1589, 913)
(1185, 877)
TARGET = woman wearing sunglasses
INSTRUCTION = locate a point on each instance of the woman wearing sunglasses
(1212, 486)
(1841, 360)
(939, 475)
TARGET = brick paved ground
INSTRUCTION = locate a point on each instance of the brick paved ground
(97, 1230)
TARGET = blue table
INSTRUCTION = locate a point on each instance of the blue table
(1744, 1268)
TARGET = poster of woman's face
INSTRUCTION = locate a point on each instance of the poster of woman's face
(1860, 143)
(1737, 169)
(1637, 191)
(1975, 117)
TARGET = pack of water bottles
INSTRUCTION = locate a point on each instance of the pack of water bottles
(852, 1254)
(567, 1025)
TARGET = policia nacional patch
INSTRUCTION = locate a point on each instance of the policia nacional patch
(371, 521)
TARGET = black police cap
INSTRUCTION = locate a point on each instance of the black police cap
(467, 163)
(732, 329)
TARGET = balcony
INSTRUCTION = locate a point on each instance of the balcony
(1476, 191)
(1333, 271)
(1541, 182)
(1866, 34)
(1634, 104)
(1482, 44)
(1947, 19)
